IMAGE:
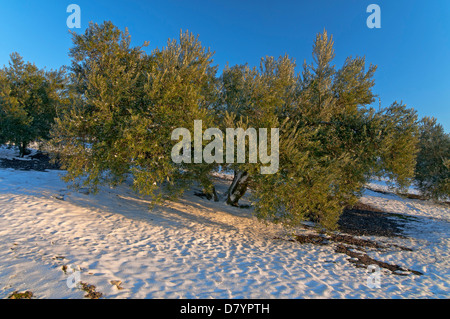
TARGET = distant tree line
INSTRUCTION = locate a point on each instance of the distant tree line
(110, 114)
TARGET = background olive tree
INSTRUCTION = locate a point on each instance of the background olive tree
(29, 101)
(433, 160)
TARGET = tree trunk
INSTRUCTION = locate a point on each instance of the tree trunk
(212, 194)
(237, 188)
(22, 149)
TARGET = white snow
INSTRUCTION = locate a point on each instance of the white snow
(381, 185)
(13, 153)
(194, 248)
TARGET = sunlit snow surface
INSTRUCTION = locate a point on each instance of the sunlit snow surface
(194, 248)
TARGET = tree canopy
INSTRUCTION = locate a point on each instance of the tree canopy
(433, 160)
(29, 99)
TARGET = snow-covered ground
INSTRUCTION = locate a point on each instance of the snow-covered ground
(13, 153)
(194, 248)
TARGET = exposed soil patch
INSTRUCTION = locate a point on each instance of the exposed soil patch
(350, 240)
(91, 292)
(358, 221)
(58, 258)
(342, 239)
(210, 197)
(21, 295)
(64, 269)
(203, 195)
(365, 220)
(346, 243)
(37, 162)
(310, 239)
(363, 260)
(117, 283)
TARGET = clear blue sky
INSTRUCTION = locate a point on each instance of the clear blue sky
(412, 48)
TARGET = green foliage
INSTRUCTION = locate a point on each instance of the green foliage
(397, 144)
(331, 140)
(433, 160)
(29, 98)
(107, 79)
(127, 104)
